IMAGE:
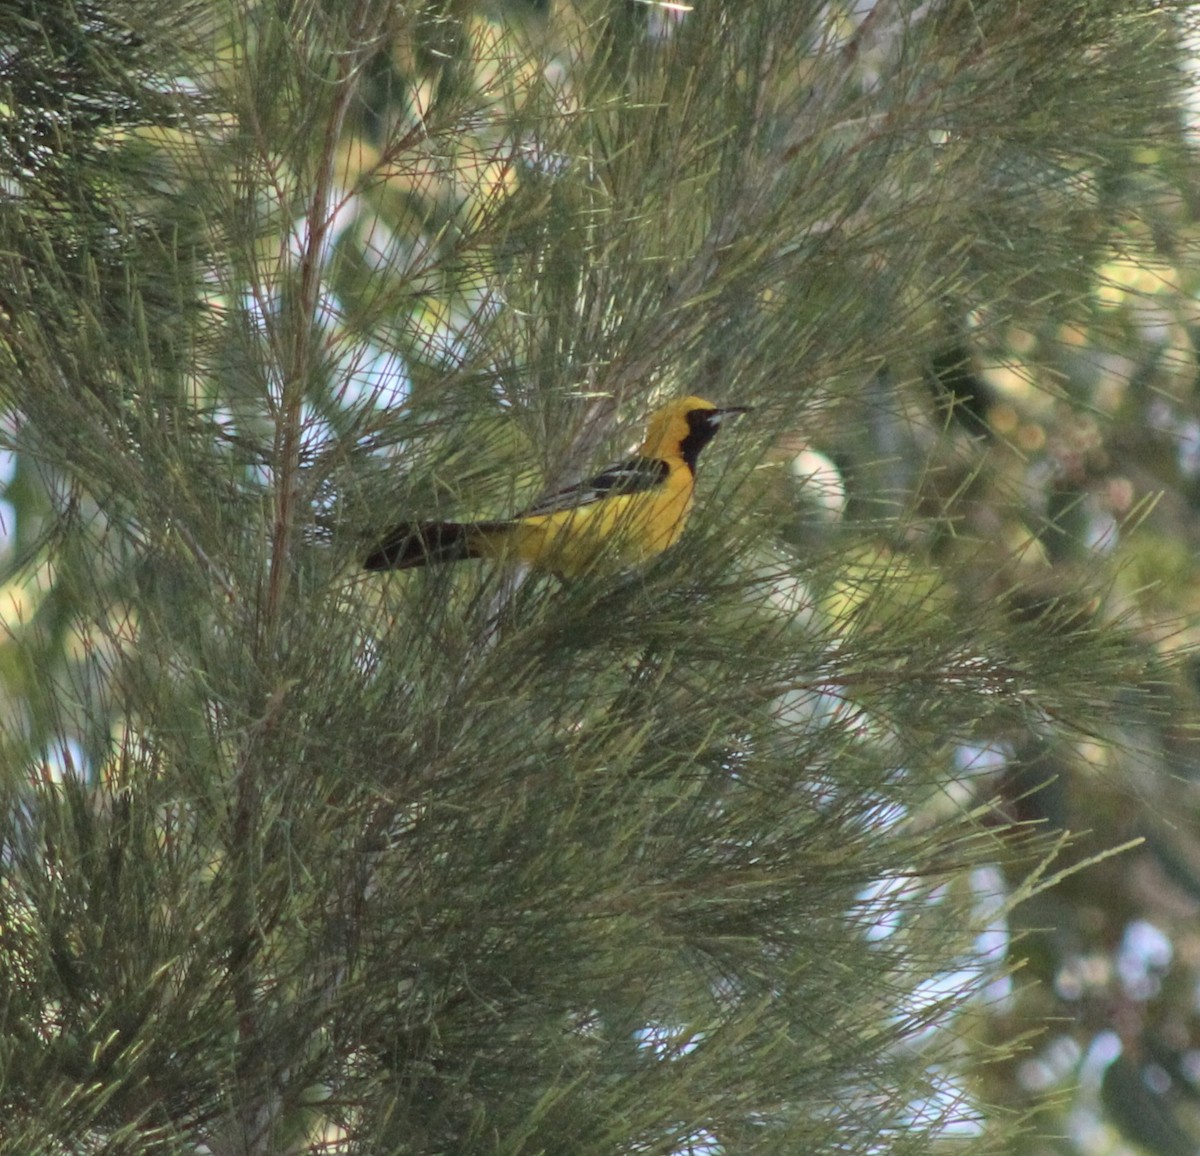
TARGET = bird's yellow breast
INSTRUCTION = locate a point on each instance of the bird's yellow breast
(624, 529)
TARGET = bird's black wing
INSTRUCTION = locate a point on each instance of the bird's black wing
(634, 476)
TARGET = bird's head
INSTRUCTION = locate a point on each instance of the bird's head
(685, 427)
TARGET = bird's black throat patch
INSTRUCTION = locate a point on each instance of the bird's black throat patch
(702, 428)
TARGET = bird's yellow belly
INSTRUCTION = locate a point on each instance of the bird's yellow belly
(612, 532)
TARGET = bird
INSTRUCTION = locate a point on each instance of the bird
(632, 510)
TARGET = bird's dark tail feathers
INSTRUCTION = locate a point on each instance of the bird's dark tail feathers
(422, 543)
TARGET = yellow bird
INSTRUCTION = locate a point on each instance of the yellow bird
(632, 510)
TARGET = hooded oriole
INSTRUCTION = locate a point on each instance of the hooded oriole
(635, 508)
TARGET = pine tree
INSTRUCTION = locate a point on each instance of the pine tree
(717, 855)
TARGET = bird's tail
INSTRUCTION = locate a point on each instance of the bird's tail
(422, 543)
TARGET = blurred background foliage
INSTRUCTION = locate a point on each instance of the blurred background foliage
(749, 852)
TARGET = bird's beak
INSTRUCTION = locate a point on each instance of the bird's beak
(728, 411)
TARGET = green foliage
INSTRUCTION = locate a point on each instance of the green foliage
(717, 856)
